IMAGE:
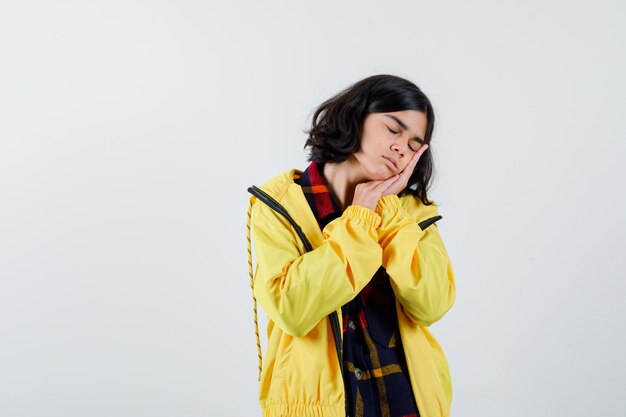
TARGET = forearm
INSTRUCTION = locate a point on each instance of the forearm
(417, 262)
(298, 290)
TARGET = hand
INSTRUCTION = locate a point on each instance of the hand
(366, 194)
(396, 186)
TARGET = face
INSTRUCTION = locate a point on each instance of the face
(389, 141)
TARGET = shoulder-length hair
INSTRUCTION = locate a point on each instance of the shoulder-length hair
(337, 124)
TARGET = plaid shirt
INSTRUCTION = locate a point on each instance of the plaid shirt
(376, 377)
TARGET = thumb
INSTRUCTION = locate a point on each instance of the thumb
(391, 180)
(384, 184)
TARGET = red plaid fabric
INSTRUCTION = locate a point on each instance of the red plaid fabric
(376, 377)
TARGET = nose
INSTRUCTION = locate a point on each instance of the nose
(400, 148)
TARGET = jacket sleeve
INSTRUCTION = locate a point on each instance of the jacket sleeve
(298, 290)
(417, 262)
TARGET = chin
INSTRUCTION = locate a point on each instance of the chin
(376, 172)
(381, 175)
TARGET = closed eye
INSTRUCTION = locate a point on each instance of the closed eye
(394, 132)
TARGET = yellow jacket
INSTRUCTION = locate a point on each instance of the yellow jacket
(300, 375)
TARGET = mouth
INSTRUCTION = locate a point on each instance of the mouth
(391, 162)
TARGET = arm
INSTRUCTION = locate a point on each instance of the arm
(298, 290)
(417, 262)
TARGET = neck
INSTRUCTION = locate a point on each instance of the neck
(342, 178)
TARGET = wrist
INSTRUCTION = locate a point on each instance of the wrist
(388, 202)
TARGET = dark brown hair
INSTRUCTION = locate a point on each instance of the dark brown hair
(337, 124)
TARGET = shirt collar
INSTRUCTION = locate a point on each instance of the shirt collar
(316, 191)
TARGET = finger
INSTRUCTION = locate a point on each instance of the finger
(421, 151)
(413, 162)
(408, 169)
(419, 154)
(386, 183)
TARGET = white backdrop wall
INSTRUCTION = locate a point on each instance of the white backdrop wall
(130, 131)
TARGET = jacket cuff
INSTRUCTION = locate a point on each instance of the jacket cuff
(364, 214)
(388, 202)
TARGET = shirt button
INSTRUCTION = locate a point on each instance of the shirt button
(351, 325)
(358, 373)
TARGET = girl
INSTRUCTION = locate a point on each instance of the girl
(350, 266)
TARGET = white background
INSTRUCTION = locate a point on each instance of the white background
(130, 131)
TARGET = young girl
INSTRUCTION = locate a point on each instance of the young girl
(350, 266)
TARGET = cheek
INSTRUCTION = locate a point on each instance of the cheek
(373, 148)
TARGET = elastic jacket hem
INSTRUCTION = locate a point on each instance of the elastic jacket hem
(303, 410)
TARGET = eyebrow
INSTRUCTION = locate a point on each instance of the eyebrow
(404, 127)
